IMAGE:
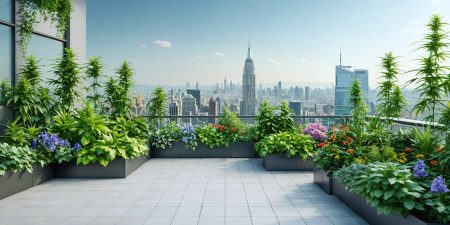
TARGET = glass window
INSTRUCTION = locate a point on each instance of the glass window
(5, 53)
(46, 50)
(5, 10)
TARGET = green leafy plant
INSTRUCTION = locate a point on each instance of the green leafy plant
(157, 106)
(67, 79)
(55, 11)
(359, 109)
(164, 136)
(118, 92)
(292, 144)
(271, 120)
(5, 92)
(15, 159)
(387, 186)
(332, 157)
(426, 141)
(93, 73)
(432, 75)
(135, 127)
(15, 133)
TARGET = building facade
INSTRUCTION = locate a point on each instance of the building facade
(45, 44)
(196, 94)
(345, 75)
(188, 107)
(248, 103)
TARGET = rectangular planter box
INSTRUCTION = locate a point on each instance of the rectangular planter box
(234, 150)
(13, 183)
(360, 206)
(323, 181)
(118, 168)
(280, 162)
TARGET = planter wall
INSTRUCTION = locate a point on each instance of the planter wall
(118, 168)
(234, 150)
(12, 183)
(323, 181)
(280, 162)
(360, 206)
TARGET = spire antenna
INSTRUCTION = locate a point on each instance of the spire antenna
(248, 53)
(340, 56)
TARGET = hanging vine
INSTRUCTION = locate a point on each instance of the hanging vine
(56, 11)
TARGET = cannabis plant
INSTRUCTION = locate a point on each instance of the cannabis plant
(431, 81)
(157, 106)
(67, 79)
(93, 73)
(31, 70)
(359, 110)
(390, 97)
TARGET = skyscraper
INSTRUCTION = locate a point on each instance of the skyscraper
(196, 94)
(189, 107)
(248, 103)
(345, 75)
(307, 93)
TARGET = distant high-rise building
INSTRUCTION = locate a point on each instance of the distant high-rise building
(296, 107)
(196, 94)
(225, 85)
(345, 75)
(307, 92)
(196, 85)
(188, 106)
(174, 110)
(248, 103)
(234, 107)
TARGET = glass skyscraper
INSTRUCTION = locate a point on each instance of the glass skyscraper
(345, 75)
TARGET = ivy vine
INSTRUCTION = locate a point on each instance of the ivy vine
(56, 11)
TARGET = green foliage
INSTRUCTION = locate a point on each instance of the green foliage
(293, 144)
(445, 118)
(376, 154)
(67, 79)
(93, 73)
(425, 141)
(387, 186)
(89, 127)
(5, 92)
(15, 159)
(31, 70)
(375, 133)
(55, 11)
(333, 157)
(164, 136)
(390, 97)
(230, 119)
(359, 109)
(431, 81)
(135, 127)
(118, 92)
(272, 120)
(437, 207)
(157, 106)
(16, 134)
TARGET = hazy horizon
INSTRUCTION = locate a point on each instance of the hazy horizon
(173, 42)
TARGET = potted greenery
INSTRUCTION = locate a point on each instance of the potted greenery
(286, 151)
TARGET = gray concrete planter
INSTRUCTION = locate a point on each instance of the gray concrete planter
(323, 181)
(360, 206)
(118, 168)
(280, 162)
(234, 150)
(12, 183)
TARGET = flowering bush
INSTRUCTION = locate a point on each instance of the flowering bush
(49, 147)
(331, 157)
(317, 131)
(164, 136)
(188, 136)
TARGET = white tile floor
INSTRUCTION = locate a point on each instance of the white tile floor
(181, 192)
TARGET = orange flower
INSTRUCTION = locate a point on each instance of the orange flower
(350, 151)
(434, 162)
(345, 143)
(408, 149)
(321, 145)
(234, 129)
(349, 139)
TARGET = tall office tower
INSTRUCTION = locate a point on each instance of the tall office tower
(297, 108)
(213, 109)
(219, 105)
(248, 103)
(307, 90)
(174, 110)
(345, 75)
(225, 85)
(279, 90)
(302, 93)
(188, 107)
(196, 85)
(196, 94)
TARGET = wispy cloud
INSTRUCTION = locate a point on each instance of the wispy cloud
(413, 26)
(163, 44)
(274, 62)
(143, 46)
(220, 54)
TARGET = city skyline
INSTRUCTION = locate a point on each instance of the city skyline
(173, 42)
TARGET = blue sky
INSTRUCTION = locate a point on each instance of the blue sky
(176, 41)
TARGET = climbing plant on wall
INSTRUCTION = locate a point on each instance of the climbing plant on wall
(54, 11)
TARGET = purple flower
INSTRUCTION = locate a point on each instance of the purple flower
(77, 146)
(438, 185)
(34, 143)
(316, 131)
(420, 169)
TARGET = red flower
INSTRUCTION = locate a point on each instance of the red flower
(408, 149)
(321, 145)
(345, 143)
(234, 129)
(434, 162)
(350, 151)
(349, 139)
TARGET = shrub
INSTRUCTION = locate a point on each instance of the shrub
(292, 144)
(164, 136)
(331, 157)
(50, 147)
(15, 159)
(188, 136)
(272, 120)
